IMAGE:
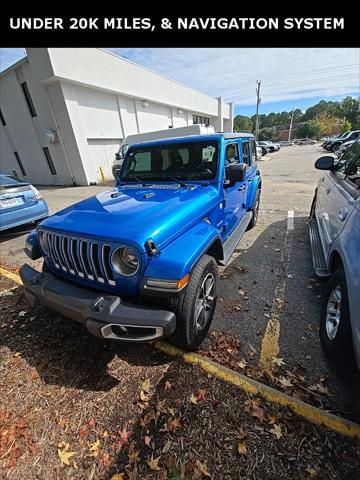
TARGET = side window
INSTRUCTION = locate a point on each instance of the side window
(253, 150)
(232, 154)
(346, 160)
(353, 174)
(246, 153)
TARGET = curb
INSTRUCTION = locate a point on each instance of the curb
(249, 385)
(11, 276)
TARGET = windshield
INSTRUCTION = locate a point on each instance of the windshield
(182, 161)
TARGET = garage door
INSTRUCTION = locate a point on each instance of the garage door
(102, 156)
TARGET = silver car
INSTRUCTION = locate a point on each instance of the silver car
(335, 243)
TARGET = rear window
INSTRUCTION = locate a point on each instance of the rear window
(9, 180)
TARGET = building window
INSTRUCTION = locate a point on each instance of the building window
(2, 118)
(17, 156)
(49, 161)
(200, 120)
(28, 99)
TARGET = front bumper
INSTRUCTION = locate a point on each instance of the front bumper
(105, 316)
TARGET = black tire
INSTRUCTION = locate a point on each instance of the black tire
(255, 210)
(338, 347)
(335, 147)
(187, 334)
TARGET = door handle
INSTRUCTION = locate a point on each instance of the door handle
(240, 189)
(343, 213)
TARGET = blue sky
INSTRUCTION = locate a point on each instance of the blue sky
(290, 77)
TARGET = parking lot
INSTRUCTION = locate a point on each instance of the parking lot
(268, 312)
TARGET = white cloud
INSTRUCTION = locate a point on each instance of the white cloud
(286, 73)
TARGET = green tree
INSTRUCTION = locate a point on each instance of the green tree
(268, 133)
(346, 126)
(243, 124)
(350, 110)
(309, 129)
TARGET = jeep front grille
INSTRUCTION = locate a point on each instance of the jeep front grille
(82, 258)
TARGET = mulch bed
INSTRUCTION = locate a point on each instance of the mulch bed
(73, 406)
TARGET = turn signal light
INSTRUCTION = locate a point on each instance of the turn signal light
(181, 283)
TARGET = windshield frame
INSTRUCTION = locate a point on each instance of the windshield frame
(164, 176)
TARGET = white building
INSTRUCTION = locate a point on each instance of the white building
(64, 112)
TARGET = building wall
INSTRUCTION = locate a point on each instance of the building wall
(92, 100)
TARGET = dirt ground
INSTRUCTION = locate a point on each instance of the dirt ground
(74, 407)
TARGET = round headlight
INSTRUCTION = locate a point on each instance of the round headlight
(125, 260)
(43, 242)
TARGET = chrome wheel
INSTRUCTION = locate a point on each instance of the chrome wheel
(204, 301)
(333, 312)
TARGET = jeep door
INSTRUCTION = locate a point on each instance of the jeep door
(248, 154)
(234, 194)
(342, 192)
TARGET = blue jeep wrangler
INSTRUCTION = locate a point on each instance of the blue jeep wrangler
(139, 262)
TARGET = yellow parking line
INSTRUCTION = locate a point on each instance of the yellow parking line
(11, 276)
(311, 413)
(270, 342)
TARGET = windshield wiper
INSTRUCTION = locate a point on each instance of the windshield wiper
(137, 179)
(176, 179)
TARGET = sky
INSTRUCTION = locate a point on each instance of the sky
(289, 77)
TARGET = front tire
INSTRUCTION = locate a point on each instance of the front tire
(335, 147)
(335, 323)
(195, 307)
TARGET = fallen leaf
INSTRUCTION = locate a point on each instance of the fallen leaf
(95, 448)
(193, 399)
(105, 457)
(147, 440)
(124, 435)
(312, 472)
(146, 385)
(64, 456)
(242, 448)
(153, 463)
(168, 385)
(278, 361)
(134, 456)
(118, 476)
(276, 431)
(22, 313)
(172, 425)
(285, 382)
(272, 418)
(242, 364)
(202, 468)
(201, 394)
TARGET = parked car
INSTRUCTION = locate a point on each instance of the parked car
(287, 143)
(270, 146)
(264, 147)
(344, 147)
(305, 141)
(335, 243)
(139, 262)
(259, 152)
(334, 144)
(326, 140)
(20, 202)
(198, 129)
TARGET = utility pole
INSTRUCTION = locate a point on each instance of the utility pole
(291, 123)
(258, 100)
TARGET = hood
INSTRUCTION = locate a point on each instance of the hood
(133, 214)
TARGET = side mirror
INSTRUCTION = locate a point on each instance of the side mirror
(117, 156)
(236, 172)
(324, 163)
